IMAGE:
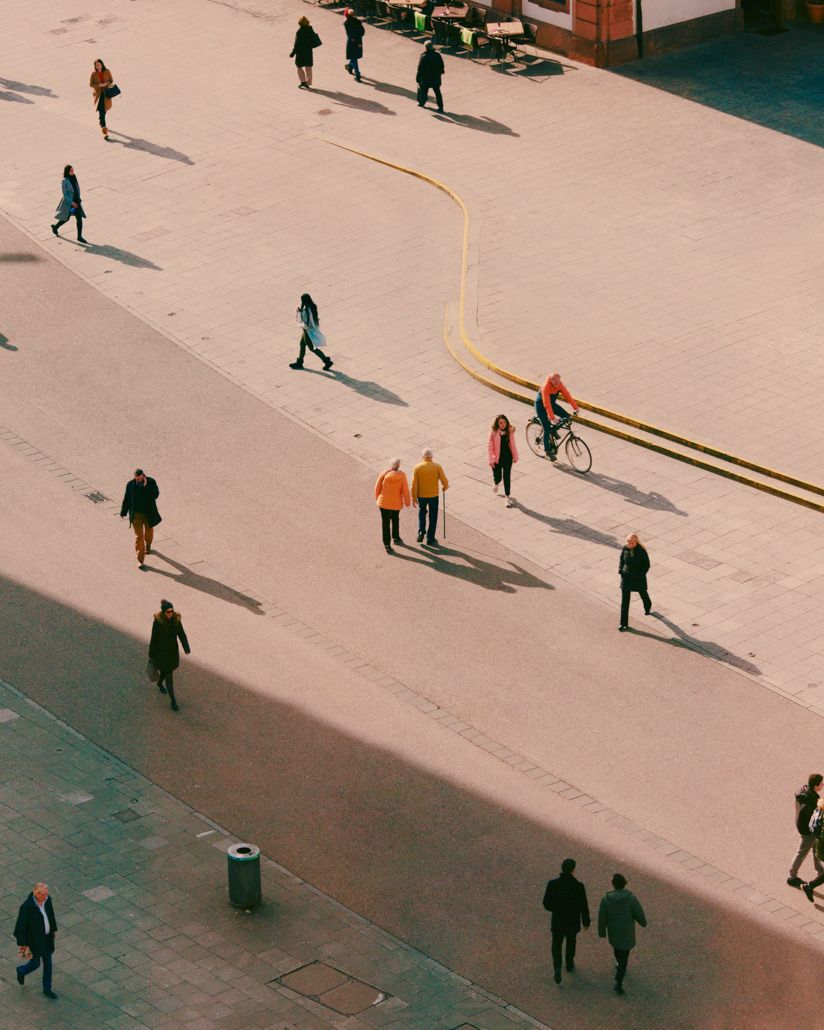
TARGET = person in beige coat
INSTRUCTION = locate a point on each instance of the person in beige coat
(101, 79)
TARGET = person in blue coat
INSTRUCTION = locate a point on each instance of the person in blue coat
(70, 205)
(34, 932)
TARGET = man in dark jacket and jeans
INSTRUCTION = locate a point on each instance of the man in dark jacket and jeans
(34, 931)
(430, 71)
(806, 801)
(566, 898)
(139, 503)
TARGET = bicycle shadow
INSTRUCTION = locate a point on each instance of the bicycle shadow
(705, 647)
(507, 579)
(569, 527)
(643, 498)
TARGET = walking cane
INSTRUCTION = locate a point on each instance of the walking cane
(444, 514)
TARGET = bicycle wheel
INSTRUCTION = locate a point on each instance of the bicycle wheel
(535, 437)
(578, 454)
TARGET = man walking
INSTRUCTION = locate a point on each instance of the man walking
(806, 801)
(353, 27)
(566, 898)
(34, 931)
(430, 71)
(427, 477)
(618, 913)
(139, 504)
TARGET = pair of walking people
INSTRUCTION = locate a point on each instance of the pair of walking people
(565, 898)
(392, 493)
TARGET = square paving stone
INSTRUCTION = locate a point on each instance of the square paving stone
(314, 979)
(77, 797)
(7, 715)
(98, 893)
(351, 998)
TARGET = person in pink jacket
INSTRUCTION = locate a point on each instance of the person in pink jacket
(503, 451)
(392, 494)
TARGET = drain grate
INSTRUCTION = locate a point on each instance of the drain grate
(331, 988)
(96, 496)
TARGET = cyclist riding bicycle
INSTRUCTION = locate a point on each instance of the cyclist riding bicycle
(546, 400)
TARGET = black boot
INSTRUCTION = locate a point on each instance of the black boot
(171, 693)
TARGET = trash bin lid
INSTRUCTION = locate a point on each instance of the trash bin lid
(243, 852)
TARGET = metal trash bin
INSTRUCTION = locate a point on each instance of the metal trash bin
(244, 875)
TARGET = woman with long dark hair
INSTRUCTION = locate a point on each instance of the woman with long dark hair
(101, 79)
(70, 205)
(311, 337)
(502, 452)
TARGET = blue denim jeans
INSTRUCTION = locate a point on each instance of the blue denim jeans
(557, 410)
(429, 504)
(352, 62)
(33, 964)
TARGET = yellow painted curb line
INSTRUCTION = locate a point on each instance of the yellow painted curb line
(646, 427)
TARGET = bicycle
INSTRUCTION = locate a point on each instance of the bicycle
(577, 452)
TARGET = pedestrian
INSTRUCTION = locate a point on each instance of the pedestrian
(34, 931)
(633, 566)
(353, 27)
(427, 477)
(311, 336)
(167, 629)
(101, 79)
(392, 494)
(502, 451)
(430, 72)
(566, 898)
(806, 800)
(550, 411)
(70, 205)
(139, 503)
(306, 40)
(618, 913)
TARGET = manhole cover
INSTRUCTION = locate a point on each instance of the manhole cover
(332, 988)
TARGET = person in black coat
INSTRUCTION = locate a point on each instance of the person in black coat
(140, 504)
(430, 72)
(353, 27)
(566, 898)
(167, 629)
(633, 566)
(306, 39)
(34, 932)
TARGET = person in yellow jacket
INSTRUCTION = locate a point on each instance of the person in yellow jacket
(427, 478)
(392, 494)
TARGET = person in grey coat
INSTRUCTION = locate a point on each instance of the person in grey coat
(618, 913)
(70, 205)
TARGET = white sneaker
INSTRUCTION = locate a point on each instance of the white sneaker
(510, 502)
(495, 489)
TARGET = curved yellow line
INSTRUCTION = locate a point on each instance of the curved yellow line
(596, 409)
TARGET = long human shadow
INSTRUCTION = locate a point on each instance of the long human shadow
(532, 68)
(133, 143)
(450, 864)
(643, 498)
(4, 343)
(25, 87)
(20, 258)
(358, 103)
(187, 577)
(365, 387)
(707, 647)
(14, 98)
(483, 124)
(392, 89)
(507, 578)
(569, 527)
(125, 257)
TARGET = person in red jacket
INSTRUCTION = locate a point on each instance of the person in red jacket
(546, 401)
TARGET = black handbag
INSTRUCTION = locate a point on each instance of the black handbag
(152, 671)
(112, 91)
(316, 42)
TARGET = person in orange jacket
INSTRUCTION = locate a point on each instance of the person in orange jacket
(392, 494)
(546, 401)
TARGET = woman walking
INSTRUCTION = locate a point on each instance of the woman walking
(101, 79)
(311, 337)
(167, 629)
(503, 451)
(392, 494)
(306, 39)
(70, 205)
(633, 566)
(353, 27)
